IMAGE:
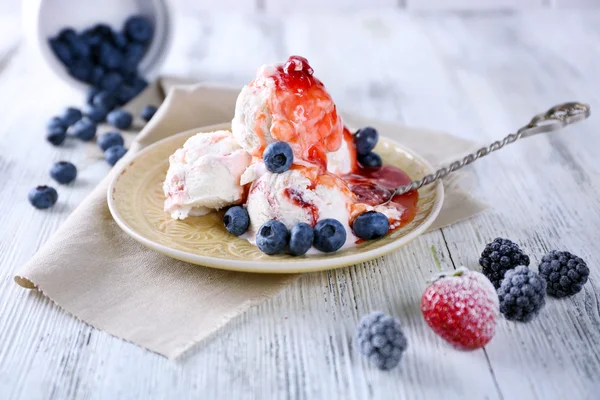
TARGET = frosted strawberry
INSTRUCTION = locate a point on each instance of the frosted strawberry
(462, 307)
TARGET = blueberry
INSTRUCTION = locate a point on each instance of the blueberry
(365, 140)
(78, 45)
(236, 220)
(126, 93)
(63, 172)
(97, 76)
(66, 34)
(56, 136)
(118, 39)
(109, 56)
(84, 130)
(42, 197)
(138, 28)
(301, 238)
(110, 139)
(371, 225)
(278, 157)
(120, 119)
(91, 93)
(134, 54)
(71, 115)
(148, 112)
(108, 100)
(371, 160)
(56, 122)
(62, 51)
(138, 84)
(272, 237)
(96, 113)
(81, 70)
(114, 154)
(111, 81)
(330, 235)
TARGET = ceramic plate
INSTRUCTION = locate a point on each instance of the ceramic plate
(135, 199)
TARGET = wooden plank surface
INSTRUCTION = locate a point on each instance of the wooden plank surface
(478, 76)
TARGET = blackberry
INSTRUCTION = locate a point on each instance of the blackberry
(380, 338)
(500, 256)
(565, 273)
(522, 294)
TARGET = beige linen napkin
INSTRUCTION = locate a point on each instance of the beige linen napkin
(94, 271)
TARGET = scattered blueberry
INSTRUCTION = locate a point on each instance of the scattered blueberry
(56, 122)
(148, 112)
(111, 81)
(278, 157)
(63, 172)
(330, 235)
(114, 154)
(301, 238)
(96, 113)
(71, 115)
(110, 139)
(56, 136)
(138, 28)
(42, 197)
(108, 100)
(371, 160)
(371, 225)
(120, 119)
(380, 338)
(565, 273)
(236, 220)
(365, 140)
(522, 294)
(272, 237)
(84, 130)
(500, 256)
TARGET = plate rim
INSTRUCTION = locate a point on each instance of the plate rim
(298, 265)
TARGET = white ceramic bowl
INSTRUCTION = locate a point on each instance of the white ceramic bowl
(43, 19)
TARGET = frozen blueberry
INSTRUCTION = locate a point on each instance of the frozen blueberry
(278, 157)
(71, 115)
(84, 130)
(301, 238)
(56, 135)
(96, 113)
(120, 119)
(62, 51)
(148, 112)
(63, 172)
(371, 160)
(56, 122)
(365, 140)
(42, 197)
(371, 225)
(330, 235)
(138, 28)
(236, 220)
(110, 139)
(272, 237)
(105, 99)
(114, 154)
(111, 81)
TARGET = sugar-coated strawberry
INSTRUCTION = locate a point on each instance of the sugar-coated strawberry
(462, 307)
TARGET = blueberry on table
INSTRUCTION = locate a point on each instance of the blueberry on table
(71, 115)
(365, 140)
(236, 220)
(120, 119)
(138, 28)
(42, 197)
(114, 154)
(272, 237)
(371, 160)
(63, 172)
(62, 51)
(301, 238)
(56, 122)
(84, 130)
(148, 112)
(330, 235)
(110, 139)
(105, 99)
(96, 113)
(371, 225)
(56, 136)
(278, 157)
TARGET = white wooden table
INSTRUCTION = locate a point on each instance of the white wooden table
(478, 76)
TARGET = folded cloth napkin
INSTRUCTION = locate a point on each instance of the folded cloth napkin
(94, 271)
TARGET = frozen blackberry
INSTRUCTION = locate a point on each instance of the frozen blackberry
(522, 294)
(500, 256)
(380, 338)
(565, 273)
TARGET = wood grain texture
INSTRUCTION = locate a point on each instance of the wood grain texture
(476, 76)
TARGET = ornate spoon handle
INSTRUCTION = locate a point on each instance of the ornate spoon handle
(554, 119)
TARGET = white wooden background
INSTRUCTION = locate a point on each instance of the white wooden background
(479, 76)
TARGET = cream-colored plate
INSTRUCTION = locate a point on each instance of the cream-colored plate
(135, 199)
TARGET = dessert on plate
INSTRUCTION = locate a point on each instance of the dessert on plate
(292, 177)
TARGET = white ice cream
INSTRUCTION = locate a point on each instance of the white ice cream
(340, 162)
(204, 175)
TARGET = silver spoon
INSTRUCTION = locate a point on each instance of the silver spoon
(552, 120)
